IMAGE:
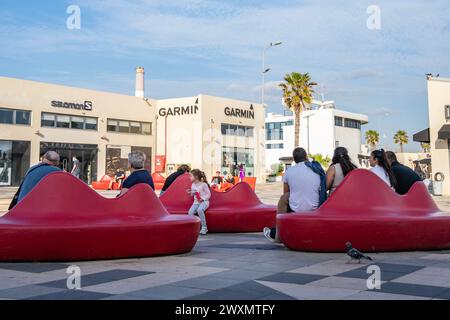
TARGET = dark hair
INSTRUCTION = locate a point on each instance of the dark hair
(184, 167)
(200, 175)
(391, 157)
(341, 157)
(383, 162)
(299, 155)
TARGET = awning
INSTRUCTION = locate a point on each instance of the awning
(422, 136)
(444, 133)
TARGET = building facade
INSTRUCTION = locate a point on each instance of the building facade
(101, 128)
(213, 134)
(438, 134)
(98, 128)
(322, 129)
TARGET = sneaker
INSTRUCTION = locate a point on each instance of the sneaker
(267, 232)
(204, 231)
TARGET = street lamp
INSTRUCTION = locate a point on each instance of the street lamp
(264, 69)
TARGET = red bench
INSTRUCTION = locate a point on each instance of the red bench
(237, 210)
(103, 183)
(63, 219)
(158, 180)
(366, 212)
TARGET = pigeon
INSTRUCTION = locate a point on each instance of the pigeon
(355, 254)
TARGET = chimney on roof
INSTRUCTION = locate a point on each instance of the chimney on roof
(140, 75)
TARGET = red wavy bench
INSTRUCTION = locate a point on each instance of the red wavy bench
(63, 219)
(366, 212)
(158, 180)
(237, 210)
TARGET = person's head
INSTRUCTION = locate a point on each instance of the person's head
(299, 155)
(341, 157)
(391, 157)
(136, 160)
(184, 167)
(74, 158)
(378, 158)
(218, 173)
(51, 158)
(198, 176)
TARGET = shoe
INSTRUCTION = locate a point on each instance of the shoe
(204, 231)
(267, 232)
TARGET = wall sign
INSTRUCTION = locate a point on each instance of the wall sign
(178, 111)
(240, 113)
(86, 105)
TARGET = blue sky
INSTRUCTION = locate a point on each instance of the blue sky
(214, 47)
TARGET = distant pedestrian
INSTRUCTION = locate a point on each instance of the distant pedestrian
(76, 170)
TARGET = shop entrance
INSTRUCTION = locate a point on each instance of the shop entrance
(235, 158)
(85, 153)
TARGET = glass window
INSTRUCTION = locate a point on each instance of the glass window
(124, 126)
(249, 132)
(350, 123)
(147, 128)
(23, 117)
(224, 128)
(113, 125)
(232, 130)
(240, 131)
(48, 120)
(90, 124)
(338, 121)
(135, 127)
(77, 122)
(62, 121)
(6, 116)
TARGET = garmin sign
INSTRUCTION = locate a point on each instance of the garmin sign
(86, 105)
(179, 111)
(240, 113)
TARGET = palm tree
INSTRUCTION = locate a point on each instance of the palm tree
(401, 138)
(372, 138)
(425, 147)
(297, 94)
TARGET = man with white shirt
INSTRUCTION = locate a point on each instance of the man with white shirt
(301, 189)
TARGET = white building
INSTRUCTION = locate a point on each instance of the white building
(322, 129)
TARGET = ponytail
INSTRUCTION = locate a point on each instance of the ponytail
(200, 175)
(380, 156)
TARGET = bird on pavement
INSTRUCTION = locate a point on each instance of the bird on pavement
(355, 254)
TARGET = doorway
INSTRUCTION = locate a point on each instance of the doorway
(86, 154)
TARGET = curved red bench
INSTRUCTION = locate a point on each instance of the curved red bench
(104, 182)
(63, 219)
(237, 210)
(366, 212)
(158, 180)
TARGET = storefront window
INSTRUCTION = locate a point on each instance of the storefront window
(236, 130)
(14, 161)
(85, 153)
(66, 121)
(113, 125)
(117, 158)
(48, 120)
(234, 158)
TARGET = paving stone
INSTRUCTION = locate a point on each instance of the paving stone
(27, 292)
(413, 289)
(168, 292)
(33, 267)
(297, 278)
(71, 295)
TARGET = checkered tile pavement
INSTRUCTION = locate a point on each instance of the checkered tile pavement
(234, 266)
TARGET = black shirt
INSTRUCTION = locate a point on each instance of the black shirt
(171, 178)
(405, 177)
(139, 176)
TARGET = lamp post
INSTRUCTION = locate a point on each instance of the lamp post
(264, 69)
